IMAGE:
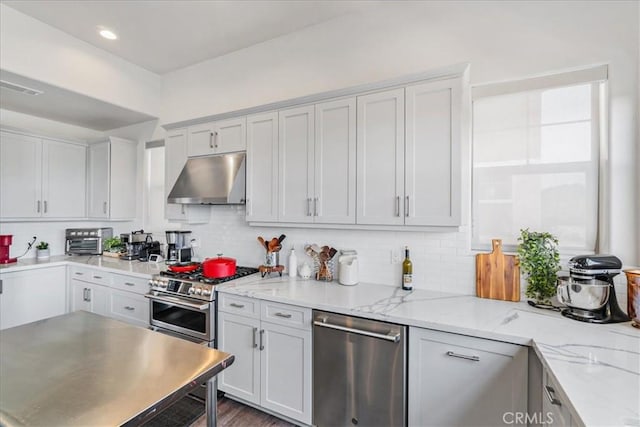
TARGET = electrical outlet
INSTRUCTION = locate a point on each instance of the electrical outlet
(395, 256)
(195, 243)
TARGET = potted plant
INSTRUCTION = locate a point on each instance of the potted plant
(540, 261)
(112, 247)
(42, 251)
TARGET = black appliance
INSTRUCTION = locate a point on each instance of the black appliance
(588, 292)
(149, 248)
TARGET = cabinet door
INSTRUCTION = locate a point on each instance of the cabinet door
(27, 296)
(201, 140)
(230, 135)
(123, 174)
(238, 335)
(554, 403)
(432, 162)
(285, 380)
(455, 380)
(99, 158)
(20, 176)
(129, 307)
(262, 167)
(89, 297)
(64, 180)
(295, 167)
(335, 162)
(380, 158)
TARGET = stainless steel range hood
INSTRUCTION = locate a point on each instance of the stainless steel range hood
(211, 180)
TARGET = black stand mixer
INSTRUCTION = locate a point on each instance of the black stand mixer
(588, 292)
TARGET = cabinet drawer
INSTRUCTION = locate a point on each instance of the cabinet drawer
(91, 275)
(284, 314)
(137, 285)
(131, 308)
(239, 305)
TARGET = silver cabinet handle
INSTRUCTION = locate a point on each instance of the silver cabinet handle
(393, 337)
(261, 336)
(406, 206)
(550, 392)
(315, 206)
(45, 206)
(128, 307)
(97, 277)
(254, 344)
(182, 209)
(286, 316)
(210, 139)
(308, 206)
(87, 294)
(38, 206)
(129, 284)
(215, 139)
(463, 356)
(233, 304)
(0, 286)
(104, 207)
(397, 205)
(79, 274)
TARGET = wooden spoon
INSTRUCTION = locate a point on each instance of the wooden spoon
(262, 242)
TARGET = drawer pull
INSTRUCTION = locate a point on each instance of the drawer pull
(254, 344)
(129, 284)
(463, 356)
(97, 277)
(550, 392)
(233, 304)
(286, 316)
(79, 274)
(261, 337)
(128, 307)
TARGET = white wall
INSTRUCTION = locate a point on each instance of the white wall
(36, 50)
(501, 40)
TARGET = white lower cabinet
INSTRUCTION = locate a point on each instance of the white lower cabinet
(457, 380)
(272, 346)
(555, 411)
(30, 295)
(119, 296)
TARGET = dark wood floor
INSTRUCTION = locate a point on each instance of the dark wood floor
(234, 414)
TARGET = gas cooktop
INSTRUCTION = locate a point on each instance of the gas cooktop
(193, 284)
(198, 276)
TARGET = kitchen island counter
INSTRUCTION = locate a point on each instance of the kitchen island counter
(81, 369)
(597, 366)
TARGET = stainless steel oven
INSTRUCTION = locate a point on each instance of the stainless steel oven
(186, 316)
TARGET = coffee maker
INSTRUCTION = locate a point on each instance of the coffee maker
(178, 246)
(5, 243)
(134, 242)
(588, 291)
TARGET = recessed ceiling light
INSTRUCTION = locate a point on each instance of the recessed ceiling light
(107, 33)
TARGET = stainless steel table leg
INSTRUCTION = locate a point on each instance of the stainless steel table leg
(212, 402)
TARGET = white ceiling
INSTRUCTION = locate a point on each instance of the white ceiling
(163, 36)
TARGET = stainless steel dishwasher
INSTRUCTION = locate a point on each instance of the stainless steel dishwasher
(359, 371)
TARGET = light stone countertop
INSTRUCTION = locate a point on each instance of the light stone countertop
(597, 366)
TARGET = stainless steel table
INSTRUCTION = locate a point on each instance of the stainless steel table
(81, 369)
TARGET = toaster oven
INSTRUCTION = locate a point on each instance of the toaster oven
(86, 241)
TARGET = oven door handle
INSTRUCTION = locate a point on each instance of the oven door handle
(179, 302)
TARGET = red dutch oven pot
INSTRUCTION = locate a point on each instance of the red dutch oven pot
(214, 268)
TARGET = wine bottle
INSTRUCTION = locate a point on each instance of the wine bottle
(407, 271)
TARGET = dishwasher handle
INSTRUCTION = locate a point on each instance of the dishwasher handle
(391, 336)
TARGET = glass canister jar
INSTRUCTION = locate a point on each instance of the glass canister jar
(633, 296)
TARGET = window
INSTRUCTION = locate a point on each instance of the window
(535, 164)
(154, 187)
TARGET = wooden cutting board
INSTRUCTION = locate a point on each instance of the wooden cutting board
(497, 274)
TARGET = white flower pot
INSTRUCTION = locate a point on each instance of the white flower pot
(42, 254)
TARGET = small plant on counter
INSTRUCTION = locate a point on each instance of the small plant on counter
(540, 261)
(113, 244)
(42, 245)
(42, 251)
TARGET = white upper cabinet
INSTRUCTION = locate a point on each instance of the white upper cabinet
(175, 157)
(113, 179)
(295, 171)
(262, 167)
(380, 154)
(432, 147)
(217, 137)
(41, 178)
(334, 198)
